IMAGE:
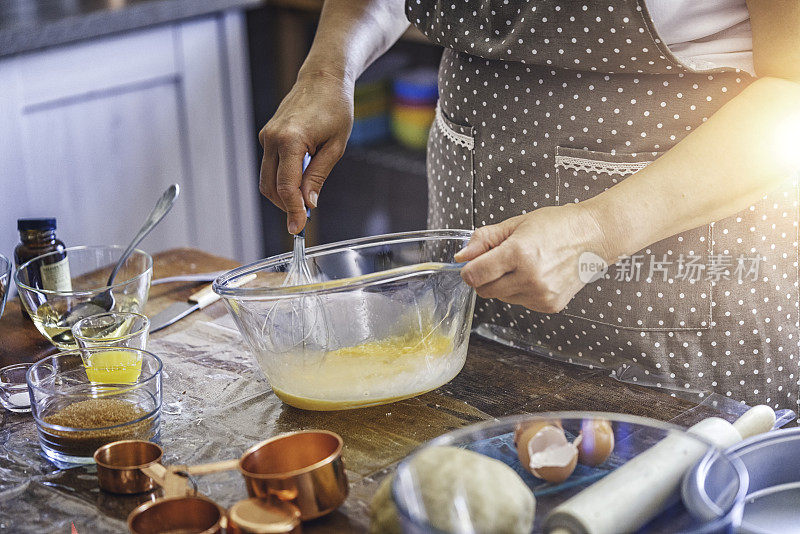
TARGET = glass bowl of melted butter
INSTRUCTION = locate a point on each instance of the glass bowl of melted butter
(384, 318)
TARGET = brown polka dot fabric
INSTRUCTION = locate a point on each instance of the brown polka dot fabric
(549, 102)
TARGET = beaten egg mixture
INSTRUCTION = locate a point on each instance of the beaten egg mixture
(375, 372)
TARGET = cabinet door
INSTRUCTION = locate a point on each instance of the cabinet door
(94, 132)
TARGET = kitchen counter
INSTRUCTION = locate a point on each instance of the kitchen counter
(33, 24)
(227, 405)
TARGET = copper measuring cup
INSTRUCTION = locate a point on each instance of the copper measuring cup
(198, 514)
(255, 516)
(129, 466)
(304, 468)
(195, 514)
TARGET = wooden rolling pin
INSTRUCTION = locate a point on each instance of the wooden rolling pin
(627, 498)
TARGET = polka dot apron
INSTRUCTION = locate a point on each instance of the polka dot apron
(547, 102)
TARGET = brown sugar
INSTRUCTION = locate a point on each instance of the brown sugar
(96, 416)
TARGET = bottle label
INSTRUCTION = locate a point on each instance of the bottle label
(55, 276)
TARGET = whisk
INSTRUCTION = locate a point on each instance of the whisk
(297, 323)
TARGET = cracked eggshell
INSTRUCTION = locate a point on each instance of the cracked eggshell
(595, 442)
(544, 451)
(530, 428)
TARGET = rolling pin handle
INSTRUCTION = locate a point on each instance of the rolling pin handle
(756, 420)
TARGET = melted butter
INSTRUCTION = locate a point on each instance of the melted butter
(375, 372)
(114, 367)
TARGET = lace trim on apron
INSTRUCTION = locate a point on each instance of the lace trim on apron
(455, 137)
(596, 166)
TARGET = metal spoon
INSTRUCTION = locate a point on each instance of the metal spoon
(104, 302)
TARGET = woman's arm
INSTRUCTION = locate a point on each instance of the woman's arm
(317, 114)
(351, 35)
(747, 148)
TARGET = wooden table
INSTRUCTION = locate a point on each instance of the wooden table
(21, 342)
(495, 382)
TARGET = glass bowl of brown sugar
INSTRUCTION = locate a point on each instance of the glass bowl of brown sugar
(82, 399)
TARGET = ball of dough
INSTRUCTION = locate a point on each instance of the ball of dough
(382, 511)
(495, 498)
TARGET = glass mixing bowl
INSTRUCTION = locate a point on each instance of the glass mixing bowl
(387, 318)
(442, 499)
(89, 268)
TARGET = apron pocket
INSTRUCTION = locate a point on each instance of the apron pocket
(665, 286)
(450, 174)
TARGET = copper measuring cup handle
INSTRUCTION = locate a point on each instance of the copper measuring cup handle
(172, 484)
(207, 469)
(156, 471)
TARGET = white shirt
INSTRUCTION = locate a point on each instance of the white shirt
(705, 34)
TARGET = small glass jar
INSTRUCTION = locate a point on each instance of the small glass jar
(113, 329)
(13, 388)
(37, 237)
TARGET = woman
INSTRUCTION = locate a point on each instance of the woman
(576, 135)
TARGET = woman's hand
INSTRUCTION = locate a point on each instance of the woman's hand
(315, 117)
(533, 259)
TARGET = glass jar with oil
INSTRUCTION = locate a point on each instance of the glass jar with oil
(54, 312)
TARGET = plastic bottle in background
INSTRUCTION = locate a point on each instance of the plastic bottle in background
(372, 100)
(414, 107)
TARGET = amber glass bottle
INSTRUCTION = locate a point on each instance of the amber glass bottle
(37, 237)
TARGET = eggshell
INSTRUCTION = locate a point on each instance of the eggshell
(543, 450)
(528, 427)
(596, 442)
(522, 436)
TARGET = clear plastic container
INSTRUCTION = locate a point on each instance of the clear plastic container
(395, 319)
(463, 508)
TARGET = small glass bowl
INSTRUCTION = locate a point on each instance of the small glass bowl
(14, 389)
(113, 329)
(89, 268)
(79, 408)
(421, 513)
(5, 281)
